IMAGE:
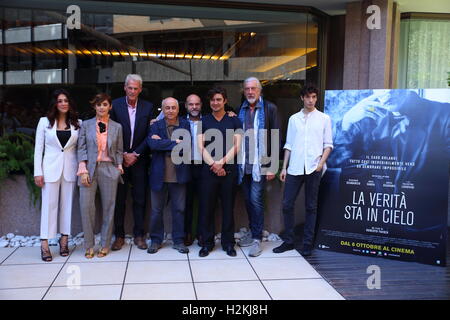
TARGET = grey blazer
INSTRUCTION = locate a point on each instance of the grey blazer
(87, 144)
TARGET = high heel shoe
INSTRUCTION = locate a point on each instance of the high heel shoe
(46, 254)
(103, 252)
(63, 246)
(89, 253)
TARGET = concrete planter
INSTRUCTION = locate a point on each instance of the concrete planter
(19, 216)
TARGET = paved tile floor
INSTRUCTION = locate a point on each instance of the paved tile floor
(134, 274)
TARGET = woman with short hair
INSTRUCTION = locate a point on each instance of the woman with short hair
(100, 156)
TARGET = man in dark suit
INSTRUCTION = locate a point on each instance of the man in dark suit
(134, 115)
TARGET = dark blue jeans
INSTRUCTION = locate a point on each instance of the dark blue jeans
(291, 189)
(254, 202)
(177, 194)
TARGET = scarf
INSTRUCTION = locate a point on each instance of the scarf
(259, 137)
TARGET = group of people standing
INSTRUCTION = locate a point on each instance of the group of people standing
(191, 157)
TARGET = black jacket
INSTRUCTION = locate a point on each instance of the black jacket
(270, 122)
(119, 113)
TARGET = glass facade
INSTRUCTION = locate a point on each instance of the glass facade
(176, 49)
(424, 56)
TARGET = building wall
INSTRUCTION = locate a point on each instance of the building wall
(335, 53)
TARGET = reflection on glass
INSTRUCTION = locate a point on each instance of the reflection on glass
(177, 51)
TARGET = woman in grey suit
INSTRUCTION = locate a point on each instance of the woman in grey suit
(100, 156)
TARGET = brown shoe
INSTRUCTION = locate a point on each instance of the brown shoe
(118, 244)
(188, 239)
(140, 242)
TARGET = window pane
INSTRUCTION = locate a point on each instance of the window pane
(177, 50)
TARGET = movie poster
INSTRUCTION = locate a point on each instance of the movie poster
(385, 191)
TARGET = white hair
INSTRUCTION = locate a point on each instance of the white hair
(166, 99)
(134, 77)
(253, 79)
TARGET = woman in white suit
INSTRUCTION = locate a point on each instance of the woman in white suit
(55, 169)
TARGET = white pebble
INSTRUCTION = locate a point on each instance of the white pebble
(273, 237)
(10, 236)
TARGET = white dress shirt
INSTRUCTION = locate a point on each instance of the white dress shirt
(308, 134)
(132, 115)
(196, 156)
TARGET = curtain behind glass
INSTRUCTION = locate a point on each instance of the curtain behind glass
(424, 53)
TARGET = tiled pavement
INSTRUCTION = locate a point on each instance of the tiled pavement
(134, 274)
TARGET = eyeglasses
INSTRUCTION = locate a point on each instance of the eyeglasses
(102, 127)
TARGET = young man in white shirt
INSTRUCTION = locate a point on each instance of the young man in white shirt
(308, 145)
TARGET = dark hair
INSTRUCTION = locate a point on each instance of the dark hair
(99, 98)
(217, 90)
(72, 115)
(308, 89)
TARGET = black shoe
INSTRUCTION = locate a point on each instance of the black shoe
(64, 245)
(284, 247)
(307, 250)
(181, 248)
(204, 251)
(154, 247)
(230, 251)
(46, 254)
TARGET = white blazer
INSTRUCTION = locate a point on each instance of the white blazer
(51, 160)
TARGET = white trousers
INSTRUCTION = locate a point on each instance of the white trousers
(57, 199)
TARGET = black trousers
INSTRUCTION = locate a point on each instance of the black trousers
(135, 177)
(292, 187)
(213, 188)
(192, 192)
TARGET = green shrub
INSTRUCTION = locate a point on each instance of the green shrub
(17, 157)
